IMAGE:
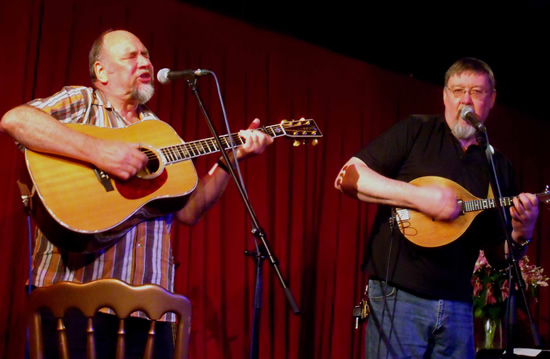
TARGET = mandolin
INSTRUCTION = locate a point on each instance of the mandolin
(425, 231)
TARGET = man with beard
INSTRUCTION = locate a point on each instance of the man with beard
(122, 77)
(421, 297)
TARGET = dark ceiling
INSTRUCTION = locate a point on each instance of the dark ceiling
(421, 39)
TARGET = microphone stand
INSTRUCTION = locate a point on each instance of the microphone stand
(263, 249)
(514, 272)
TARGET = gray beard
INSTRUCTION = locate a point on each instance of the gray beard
(143, 94)
(463, 132)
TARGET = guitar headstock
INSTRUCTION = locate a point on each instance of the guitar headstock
(302, 130)
(544, 197)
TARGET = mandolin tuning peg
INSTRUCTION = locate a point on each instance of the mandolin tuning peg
(296, 143)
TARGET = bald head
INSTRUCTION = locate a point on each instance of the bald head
(120, 67)
(105, 40)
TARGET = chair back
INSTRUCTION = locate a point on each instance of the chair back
(122, 298)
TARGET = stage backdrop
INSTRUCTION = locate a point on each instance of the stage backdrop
(317, 234)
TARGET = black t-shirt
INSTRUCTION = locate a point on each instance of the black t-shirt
(425, 146)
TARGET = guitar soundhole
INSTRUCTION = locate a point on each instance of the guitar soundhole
(153, 165)
(147, 181)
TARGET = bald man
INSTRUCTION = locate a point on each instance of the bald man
(122, 77)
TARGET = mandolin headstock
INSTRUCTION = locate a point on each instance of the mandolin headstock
(544, 197)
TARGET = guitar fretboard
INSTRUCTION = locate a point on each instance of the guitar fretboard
(189, 150)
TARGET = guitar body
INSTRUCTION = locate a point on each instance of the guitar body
(82, 209)
(94, 212)
(426, 231)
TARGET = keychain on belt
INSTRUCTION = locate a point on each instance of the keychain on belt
(361, 311)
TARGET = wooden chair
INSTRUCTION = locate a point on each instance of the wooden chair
(117, 295)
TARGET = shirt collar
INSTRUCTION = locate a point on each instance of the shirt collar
(100, 99)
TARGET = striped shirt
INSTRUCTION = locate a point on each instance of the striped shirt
(141, 256)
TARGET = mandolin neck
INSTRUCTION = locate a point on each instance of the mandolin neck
(483, 204)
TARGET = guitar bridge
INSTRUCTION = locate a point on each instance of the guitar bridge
(104, 179)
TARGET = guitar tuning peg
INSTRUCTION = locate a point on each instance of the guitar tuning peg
(314, 142)
(296, 143)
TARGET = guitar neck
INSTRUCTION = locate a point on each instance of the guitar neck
(189, 150)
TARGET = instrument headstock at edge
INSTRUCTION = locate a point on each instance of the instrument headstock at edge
(303, 131)
(544, 197)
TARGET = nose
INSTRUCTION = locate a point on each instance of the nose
(144, 61)
(466, 98)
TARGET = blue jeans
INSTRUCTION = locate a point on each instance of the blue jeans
(402, 325)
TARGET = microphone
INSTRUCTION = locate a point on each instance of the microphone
(468, 114)
(165, 76)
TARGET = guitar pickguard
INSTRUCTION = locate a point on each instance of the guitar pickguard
(136, 188)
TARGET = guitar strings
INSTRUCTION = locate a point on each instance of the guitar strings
(197, 147)
(191, 149)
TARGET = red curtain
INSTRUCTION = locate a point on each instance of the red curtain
(317, 234)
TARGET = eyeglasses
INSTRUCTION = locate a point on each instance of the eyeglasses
(475, 93)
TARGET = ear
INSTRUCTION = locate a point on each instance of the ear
(100, 72)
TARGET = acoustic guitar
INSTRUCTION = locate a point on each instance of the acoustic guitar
(425, 231)
(80, 208)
